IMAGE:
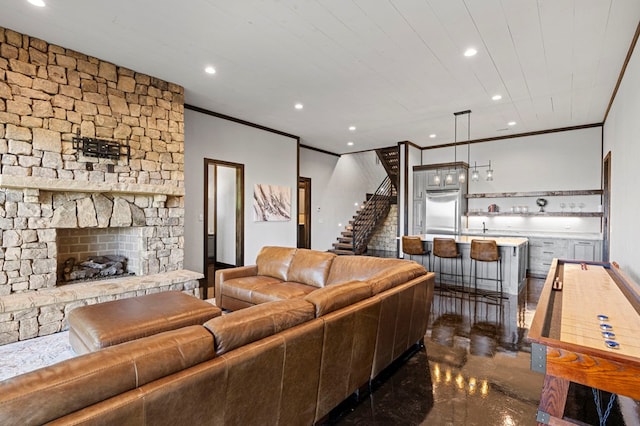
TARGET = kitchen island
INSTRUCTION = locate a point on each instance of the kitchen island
(514, 253)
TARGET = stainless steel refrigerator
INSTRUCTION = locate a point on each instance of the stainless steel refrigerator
(443, 211)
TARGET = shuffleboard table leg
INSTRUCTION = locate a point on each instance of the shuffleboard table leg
(552, 400)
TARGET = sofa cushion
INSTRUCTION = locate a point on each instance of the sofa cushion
(310, 267)
(279, 291)
(397, 275)
(45, 394)
(385, 272)
(257, 322)
(275, 261)
(242, 288)
(338, 296)
(361, 268)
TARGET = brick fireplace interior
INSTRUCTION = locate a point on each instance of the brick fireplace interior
(75, 246)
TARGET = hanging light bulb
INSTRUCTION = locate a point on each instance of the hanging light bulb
(462, 176)
(489, 172)
(436, 179)
(475, 176)
(448, 179)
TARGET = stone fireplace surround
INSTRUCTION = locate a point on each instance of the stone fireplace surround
(49, 94)
(32, 302)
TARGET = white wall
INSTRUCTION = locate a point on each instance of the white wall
(268, 158)
(547, 162)
(622, 138)
(337, 184)
(569, 160)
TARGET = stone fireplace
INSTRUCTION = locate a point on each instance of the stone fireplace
(56, 203)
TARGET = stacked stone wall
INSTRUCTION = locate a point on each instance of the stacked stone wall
(385, 236)
(48, 96)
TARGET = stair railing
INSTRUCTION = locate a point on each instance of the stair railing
(374, 210)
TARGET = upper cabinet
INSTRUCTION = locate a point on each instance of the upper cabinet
(437, 179)
(433, 177)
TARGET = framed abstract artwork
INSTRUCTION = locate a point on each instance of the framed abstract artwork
(271, 203)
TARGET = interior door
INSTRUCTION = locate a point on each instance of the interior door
(304, 212)
(606, 205)
(224, 218)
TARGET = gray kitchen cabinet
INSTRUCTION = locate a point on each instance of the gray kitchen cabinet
(419, 196)
(419, 184)
(434, 184)
(585, 250)
(418, 217)
(542, 251)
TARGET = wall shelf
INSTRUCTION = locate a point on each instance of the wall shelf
(535, 194)
(543, 214)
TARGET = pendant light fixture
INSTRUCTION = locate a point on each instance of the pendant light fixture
(462, 174)
(475, 175)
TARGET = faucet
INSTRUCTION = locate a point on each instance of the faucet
(484, 228)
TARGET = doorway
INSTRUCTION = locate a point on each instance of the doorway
(606, 205)
(223, 218)
(304, 212)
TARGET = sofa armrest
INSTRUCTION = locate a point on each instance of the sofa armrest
(223, 275)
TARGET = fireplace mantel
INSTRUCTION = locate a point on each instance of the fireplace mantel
(65, 185)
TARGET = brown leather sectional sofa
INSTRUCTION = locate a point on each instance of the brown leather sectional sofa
(287, 361)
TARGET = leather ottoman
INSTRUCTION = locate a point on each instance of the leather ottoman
(98, 326)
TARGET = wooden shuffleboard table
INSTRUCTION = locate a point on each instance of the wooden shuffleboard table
(586, 329)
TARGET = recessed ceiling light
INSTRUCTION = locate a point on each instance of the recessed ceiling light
(298, 106)
(210, 70)
(39, 3)
(511, 123)
(350, 143)
(496, 97)
(352, 128)
(432, 135)
(470, 52)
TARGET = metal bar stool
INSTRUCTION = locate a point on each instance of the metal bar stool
(446, 248)
(413, 246)
(486, 251)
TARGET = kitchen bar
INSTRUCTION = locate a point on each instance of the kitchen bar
(513, 251)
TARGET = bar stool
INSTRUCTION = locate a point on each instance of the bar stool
(413, 246)
(446, 248)
(486, 251)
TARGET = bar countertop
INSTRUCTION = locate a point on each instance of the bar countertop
(466, 239)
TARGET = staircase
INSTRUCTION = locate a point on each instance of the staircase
(390, 159)
(355, 237)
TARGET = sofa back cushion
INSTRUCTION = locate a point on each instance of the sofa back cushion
(366, 268)
(335, 297)
(241, 327)
(274, 261)
(399, 274)
(310, 267)
(88, 379)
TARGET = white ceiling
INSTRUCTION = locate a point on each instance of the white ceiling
(393, 68)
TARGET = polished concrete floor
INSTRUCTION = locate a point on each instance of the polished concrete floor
(473, 370)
